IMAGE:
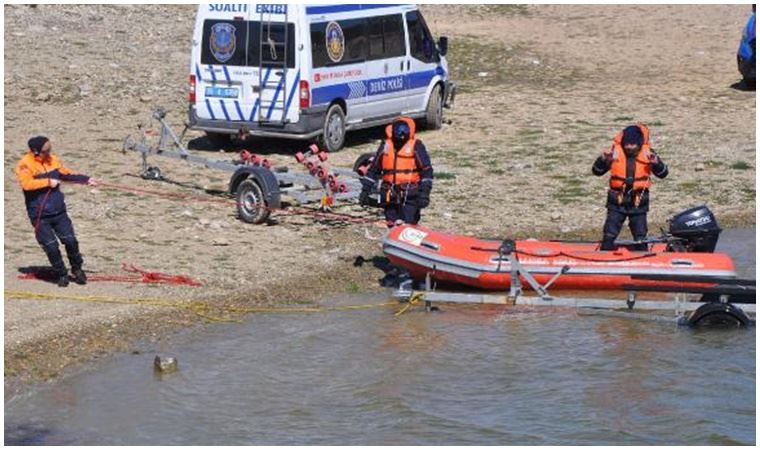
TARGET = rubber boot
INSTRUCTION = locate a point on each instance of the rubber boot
(63, 280)
(79, 276)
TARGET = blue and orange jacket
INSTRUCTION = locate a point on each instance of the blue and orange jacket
(34, 174)
(409, 165)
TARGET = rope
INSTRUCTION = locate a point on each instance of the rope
(413, 300)
(143, 276)
(230, 202)
(568, 255)
(201, 309)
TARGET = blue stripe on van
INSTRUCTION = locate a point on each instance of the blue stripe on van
(292, 92)
(239, 111)
(226, 74)
(213, 75)
(419, 79)
(198, 73)
(258, 100)
(280, 84)
(311, 10)
(210, 111)
(411, 81)
(224, 110)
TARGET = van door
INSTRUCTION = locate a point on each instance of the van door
(221, 72)
(422, 62)
(272, 51)
(339, 64)
(386, 61)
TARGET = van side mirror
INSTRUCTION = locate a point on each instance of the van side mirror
(443, 45)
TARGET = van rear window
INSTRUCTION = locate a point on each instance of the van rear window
(239, 43)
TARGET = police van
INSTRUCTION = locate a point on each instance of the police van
(313, 71)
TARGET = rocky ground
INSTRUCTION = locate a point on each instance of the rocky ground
(542, 90)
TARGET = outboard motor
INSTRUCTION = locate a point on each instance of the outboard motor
(696, 230)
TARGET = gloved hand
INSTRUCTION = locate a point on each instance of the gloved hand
(364, 197)
(607, 155)
(654, 158)
(423, 198)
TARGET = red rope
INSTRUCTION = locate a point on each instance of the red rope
(293, 211)
(141, 276)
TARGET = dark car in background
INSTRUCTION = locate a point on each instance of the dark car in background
(745, 56)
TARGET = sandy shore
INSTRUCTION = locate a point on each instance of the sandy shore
(542, 91)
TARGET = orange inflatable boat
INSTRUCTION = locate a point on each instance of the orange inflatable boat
(685, 254)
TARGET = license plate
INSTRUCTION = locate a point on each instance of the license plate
(221, 92)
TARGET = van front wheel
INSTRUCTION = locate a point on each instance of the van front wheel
(334, 132)
(434, 115)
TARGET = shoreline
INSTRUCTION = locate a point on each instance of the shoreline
(72, 349)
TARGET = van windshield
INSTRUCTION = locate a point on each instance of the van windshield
(247, 43)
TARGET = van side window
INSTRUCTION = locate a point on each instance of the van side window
(349, 43)
(386, 37)
(420, 41)
(271, 55)
(224, 42)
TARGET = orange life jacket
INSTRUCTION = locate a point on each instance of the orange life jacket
(643, 172)
(400, 167)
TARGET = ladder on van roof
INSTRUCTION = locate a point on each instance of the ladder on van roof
(278, 102)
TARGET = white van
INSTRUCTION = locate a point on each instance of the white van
(313, 71)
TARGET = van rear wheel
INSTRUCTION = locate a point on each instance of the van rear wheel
(219, 140)
(334, 131)
(434, 114)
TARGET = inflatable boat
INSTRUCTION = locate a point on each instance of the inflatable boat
(684, 255)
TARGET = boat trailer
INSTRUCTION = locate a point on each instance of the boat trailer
(718, 304)
(257, 186)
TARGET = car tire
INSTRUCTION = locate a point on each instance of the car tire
(219, 140)
(434, 113)
(334, 130)
(251, 206)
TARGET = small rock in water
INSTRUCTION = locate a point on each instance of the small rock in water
(165, 365)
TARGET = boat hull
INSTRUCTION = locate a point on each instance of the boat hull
(477, 263)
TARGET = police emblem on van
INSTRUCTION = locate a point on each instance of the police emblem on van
(222, 41)
(335, 42)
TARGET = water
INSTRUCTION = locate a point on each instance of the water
(466, 375)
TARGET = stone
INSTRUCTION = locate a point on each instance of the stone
(165, 365)
(555, 216)
(699, 167)
(220, 242)
(43, 97)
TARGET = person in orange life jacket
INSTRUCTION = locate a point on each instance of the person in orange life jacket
(40, 174)
(407, 174)
(630, 161)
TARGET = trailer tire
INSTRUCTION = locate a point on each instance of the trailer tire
(334, 130)
(434, 114)
(362, 160)
(251, 205)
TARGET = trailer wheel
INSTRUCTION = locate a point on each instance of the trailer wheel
(434, 114)
(363, 160)
(250, 202)
(718, 314)
(334, 132)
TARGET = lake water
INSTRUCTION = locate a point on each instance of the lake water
(465, 375)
